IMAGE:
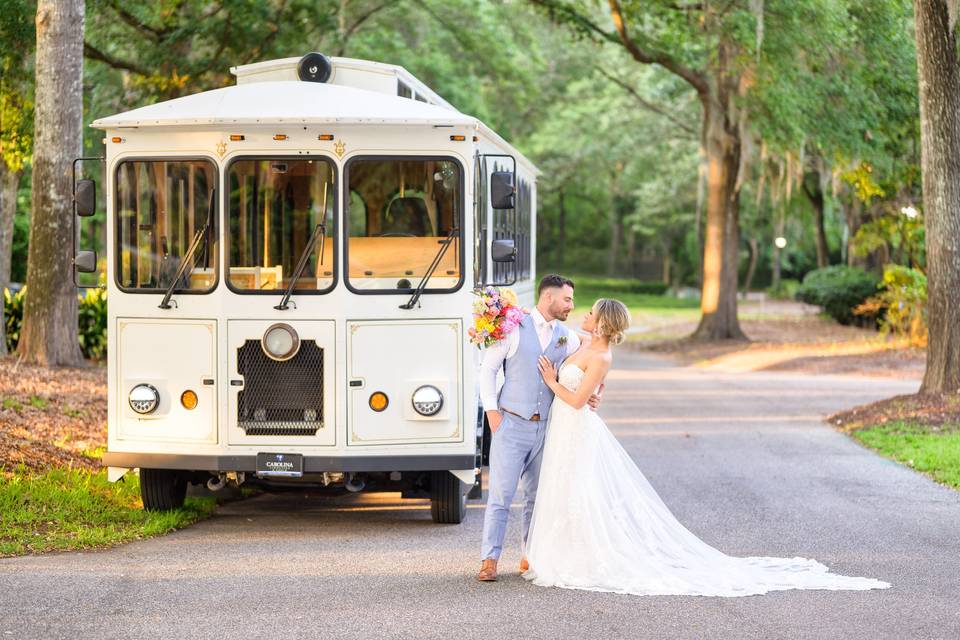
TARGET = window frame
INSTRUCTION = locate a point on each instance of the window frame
(215, 233)
(460, 237)
(333, 235)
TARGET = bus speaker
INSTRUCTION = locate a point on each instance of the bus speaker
(314, 67)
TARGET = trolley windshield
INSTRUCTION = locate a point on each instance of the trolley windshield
(275, 207)
(400, 214)
(161, 206)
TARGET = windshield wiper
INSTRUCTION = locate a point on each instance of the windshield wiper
(321, 230)
(446, 242)
(188, 256)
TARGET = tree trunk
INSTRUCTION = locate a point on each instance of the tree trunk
(721, 251)
(561, 230)
(752, 267)
(853, 215)
(9, 185)
(616, 235)
(811, 186)
(631, 267)
(939, 80)
(50, 310)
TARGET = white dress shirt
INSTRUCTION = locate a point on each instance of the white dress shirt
(491, 367)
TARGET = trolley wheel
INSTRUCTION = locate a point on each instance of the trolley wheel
(162, 489)
(448, 501)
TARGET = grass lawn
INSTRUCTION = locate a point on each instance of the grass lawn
(633, 293)
(64, 509)
(933, 450)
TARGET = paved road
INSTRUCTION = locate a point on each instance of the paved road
(743, 460)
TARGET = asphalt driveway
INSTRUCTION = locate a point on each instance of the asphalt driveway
(743, 460)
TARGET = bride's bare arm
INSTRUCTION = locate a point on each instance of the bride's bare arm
(596, 372)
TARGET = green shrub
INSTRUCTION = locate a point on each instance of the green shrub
(12, 317)
(92, 321)
(901, 303)
(786, 291)
(838, 290)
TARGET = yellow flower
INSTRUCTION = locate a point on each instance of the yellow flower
(509, 296)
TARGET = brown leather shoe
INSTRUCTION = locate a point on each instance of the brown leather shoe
(524, 565)
(488, 571)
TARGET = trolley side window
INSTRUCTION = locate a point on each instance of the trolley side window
(276, 206)
(401, 213)
(161, 206)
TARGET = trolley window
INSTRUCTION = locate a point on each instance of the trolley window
(161, 206)
(277, 205)
(401, 214)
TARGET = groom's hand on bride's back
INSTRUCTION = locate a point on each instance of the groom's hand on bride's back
(494, 418)
(594, 400)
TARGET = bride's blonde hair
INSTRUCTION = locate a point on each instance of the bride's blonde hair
(612, 318)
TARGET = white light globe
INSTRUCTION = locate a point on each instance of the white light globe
(780, 241)
(280, 342)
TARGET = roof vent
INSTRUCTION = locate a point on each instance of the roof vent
(314, 67)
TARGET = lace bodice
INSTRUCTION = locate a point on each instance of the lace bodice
(570, 376)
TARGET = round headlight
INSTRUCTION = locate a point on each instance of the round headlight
(280, 342)
(427, 400)
(144, 398)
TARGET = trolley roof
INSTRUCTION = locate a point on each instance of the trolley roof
(285, 102)
(269, 93)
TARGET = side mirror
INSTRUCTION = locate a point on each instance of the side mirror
(503, 194)
(85, 198)
(503, 251)
(86, 262)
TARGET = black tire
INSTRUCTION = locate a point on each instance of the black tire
(162, 489)
(448, 500)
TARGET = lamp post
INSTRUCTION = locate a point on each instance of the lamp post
(778, 244)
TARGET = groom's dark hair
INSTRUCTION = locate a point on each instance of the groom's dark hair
(553, 280)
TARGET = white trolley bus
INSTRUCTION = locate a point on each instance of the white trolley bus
(290, 266)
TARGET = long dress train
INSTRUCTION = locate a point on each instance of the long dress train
(599, 525)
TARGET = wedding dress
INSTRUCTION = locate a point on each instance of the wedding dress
(599, 525)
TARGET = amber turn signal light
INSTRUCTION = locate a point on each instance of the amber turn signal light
(280, 136)
(188, 399)
(236, 137)
(379, 401)
(325, 136)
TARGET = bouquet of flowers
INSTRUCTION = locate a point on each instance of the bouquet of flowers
(496, 313)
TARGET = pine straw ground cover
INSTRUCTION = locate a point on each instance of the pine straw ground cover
(53, 493)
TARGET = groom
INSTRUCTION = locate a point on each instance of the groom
(518, 415)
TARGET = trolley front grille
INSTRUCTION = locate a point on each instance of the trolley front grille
(280, 398)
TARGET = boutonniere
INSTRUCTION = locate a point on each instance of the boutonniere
(562, 341)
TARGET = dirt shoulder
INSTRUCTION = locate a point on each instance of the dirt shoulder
(788, 337)
(51, 416)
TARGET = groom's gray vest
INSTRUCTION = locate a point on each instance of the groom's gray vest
(524, 391)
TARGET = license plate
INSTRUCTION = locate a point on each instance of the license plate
(284, 465)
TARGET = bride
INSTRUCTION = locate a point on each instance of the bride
(599, 525)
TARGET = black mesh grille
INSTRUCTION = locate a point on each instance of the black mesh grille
(280, 398)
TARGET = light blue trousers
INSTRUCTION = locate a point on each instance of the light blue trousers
(515, 454)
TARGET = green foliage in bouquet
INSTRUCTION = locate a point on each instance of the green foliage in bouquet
(901, 304)
(838, 289)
